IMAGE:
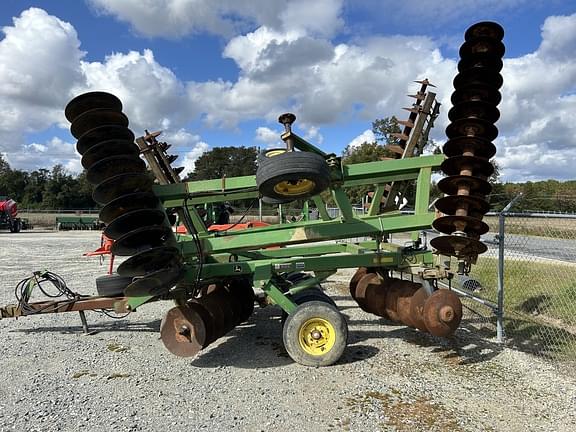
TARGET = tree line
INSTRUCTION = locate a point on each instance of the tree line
(58, 189)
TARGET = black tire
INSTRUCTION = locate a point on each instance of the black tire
(315, 334)
(112, 285)
(265, 156)
(16, 226)
(307, 295)
(293, 176)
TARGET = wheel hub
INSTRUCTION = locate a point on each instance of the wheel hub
(317, 336)
(294, 187)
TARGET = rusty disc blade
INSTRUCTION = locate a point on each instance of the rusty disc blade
(89, 101)
(114, 166)
(417, 308)
(478, 147)
(355, 279)
(127, 203)
(458, 246)
(97, 117)
(150, 261)
(226, 304)
(488, 29)
(476, 92)
(477, 186)
(404, 300)
(154, 284)
(142, 239)
(217, 315)
(133, 220)
(242, 292)
(481, 60)
(108, 148)
(183, 331)
(451, 203)
(101, 134)
(371, 294)
(456, 165)
(122, 184)
(393, 291)
(474, 109)
(482, 45)
(367, 278)
(469, 225)
(442, 313)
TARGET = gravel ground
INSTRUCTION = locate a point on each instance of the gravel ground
(53, 378)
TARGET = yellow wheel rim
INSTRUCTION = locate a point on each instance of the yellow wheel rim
(317, 336)
(294, 187)
(273, 153)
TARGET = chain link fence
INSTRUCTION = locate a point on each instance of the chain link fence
(535, 263)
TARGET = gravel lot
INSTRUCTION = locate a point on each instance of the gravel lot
(53, 378)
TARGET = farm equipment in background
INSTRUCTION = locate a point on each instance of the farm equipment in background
(9, 216)
(81, 222)
(216, 276)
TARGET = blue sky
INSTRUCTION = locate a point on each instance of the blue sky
(219, 72)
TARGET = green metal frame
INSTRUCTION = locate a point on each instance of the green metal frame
(266, 254)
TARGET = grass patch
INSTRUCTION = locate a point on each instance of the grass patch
(531, 287)
(561, 228)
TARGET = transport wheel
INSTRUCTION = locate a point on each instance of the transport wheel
(293, 175)
(307, 295)
(112, 285)
(265, 156)
(315, 334)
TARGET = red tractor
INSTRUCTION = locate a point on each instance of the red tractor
(9, 216)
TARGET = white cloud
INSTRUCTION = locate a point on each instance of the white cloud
(365, 137)
(54, 151)
(39, 62)
(176, 18)
(269, 136)
(287, 64)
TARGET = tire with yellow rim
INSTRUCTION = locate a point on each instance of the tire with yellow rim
(290, 176)
(315, 334)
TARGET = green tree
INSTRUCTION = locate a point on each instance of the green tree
(225, 161)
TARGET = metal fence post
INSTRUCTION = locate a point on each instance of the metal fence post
(501, 233)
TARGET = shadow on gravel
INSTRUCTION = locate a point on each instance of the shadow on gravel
(98, 327)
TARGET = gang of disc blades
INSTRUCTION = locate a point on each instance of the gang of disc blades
(120, 185)
(183, 331)
(449, 224)
(103, 133)
(482, 45)
(453, 166)
(154, 284)
(114, 166)
(476, 91)
(474, 109)
(142, 239)
(449, 204)
(480, 60)
(480, 76)
(476, 185)
(89, 101)
(480, 147)
(127, 203)
(150, 260)
(458, 246)
(97, 117)
(106, 149)
(488, 29)
(472, 127)
(133, 220)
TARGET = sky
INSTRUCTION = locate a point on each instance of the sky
(212, 73)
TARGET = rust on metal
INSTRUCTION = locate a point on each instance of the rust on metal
(183, 331)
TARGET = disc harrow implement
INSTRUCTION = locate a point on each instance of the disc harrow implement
(469, 148)
(216, 273)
